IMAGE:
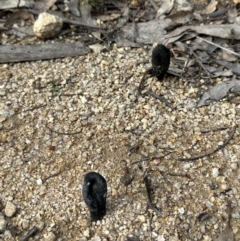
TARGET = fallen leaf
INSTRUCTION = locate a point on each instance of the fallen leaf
(183, 5)
(18, 15)
(85, 10)
(97, 48)
(211, 7)
(22, 31)
(44, 5)
(147, 33)
(232, 14)
(181, 17)
(226, 31)
(73, 7)
(165, 7)
(6, 4)
(218, 92)
(234, 67)
(228, 56)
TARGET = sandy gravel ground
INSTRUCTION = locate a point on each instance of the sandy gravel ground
(60, 119)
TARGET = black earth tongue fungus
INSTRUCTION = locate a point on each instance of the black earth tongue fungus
(160, 61)
(94, 193)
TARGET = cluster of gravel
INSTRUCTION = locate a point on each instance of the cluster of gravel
(62, 118)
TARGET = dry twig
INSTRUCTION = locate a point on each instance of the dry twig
(148, 188)
(198, 61)
(219, 46)
(35, 107)
(220, 128)
(154, 5)
(31, 233)
(214, 151)
(141, 84)
(161, 98)
(63, 133)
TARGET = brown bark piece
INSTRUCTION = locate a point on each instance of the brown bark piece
(15, 53)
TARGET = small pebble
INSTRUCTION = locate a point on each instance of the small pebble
(181, 210)
(142, 218)
(39, 182)
(86, 233)
(10, 209)
(96, 239)
(177, 185)
(50, 236)
(215, 172)
(161, 238)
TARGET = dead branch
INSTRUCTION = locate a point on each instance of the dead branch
(229, 212)
(154, 5)
(161, 98)
(53, 175)
(35, 107)
(221, 128)
(219, 46)
(128, 78)
(135, 147)
(141, 84)
(198, 61)
(63, 133)
(31, 233)
(214, 151)
(177, 174)
(148, 188)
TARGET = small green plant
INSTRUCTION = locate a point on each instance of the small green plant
(54, 88)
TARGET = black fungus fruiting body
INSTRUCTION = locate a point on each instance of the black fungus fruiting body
(95, 194)
(160, 61)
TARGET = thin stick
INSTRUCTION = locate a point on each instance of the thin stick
(53, 175)
(177, 174)
(31, 233)
(147, 185)
(161, 98)
(221, 128)
(199, 62)
(141, 84)
(219, 46)
(154, 5)
(35, 107)
(229, 212)
(63, 133)
(214, 151)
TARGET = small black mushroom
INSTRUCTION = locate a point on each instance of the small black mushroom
(160, 61)
(94, 193)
